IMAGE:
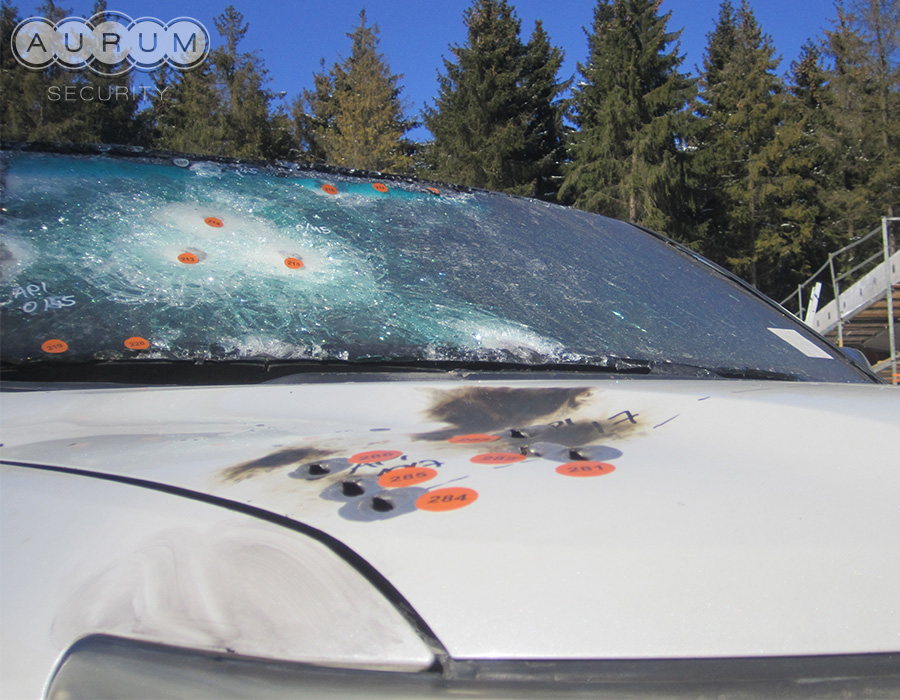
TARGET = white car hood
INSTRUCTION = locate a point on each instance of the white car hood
(740, 519)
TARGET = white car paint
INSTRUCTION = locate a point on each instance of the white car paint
(741, 518)
(83, 556)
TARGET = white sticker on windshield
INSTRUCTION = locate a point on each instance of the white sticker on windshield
(805, 346)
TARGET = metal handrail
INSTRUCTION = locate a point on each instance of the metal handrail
(829, 264)
(837, 278)
(865, 262)
(892, 344)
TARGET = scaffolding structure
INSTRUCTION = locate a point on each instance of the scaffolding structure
(871, 279)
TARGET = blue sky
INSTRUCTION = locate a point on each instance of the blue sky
(292, 36)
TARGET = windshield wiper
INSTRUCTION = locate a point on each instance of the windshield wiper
(47, 374)
(681, 369)
(666, 368)
(755, 373)
(185, 372)
(600, 364)
(157, 372)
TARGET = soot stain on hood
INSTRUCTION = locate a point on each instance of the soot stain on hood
(286, 457)
(488, 409)
(574, 432)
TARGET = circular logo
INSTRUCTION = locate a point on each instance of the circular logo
(110, 43)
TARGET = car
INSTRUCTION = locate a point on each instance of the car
(271, 430)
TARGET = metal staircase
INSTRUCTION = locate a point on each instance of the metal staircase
(865, 314)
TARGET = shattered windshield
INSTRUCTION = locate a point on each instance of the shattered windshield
(107, 257)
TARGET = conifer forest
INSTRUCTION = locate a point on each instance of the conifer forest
(764, 168)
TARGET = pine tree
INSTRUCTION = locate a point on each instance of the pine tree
(13, 122)
(313, 114)
(630, 107)
(862, 47)
(112, 113)
(545, 134)
(35, 108)
(187, 115)
(740, 107)
(497, 120)
(879, 24)
(220, 107)
(280, 141)
(354, 116)
(246, 131)
(799, 169)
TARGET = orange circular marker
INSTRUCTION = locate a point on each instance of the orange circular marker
(374, 456)
(54, 346)
(188, 259)
(498, 458)
(293, 263)
(433, 190)
(380, 187)
(446, 499)
(213, 221)
(137, 343)
(585, 469)
(329, 189)
(406, 476)
(473, 438)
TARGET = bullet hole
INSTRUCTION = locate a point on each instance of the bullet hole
(532, 450)
(518, 434)
(320, 468)
(382, 505)
(352, 489)
(379, 504)
(276, 460)
(576, 456)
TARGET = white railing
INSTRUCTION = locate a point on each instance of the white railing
(883, 273)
